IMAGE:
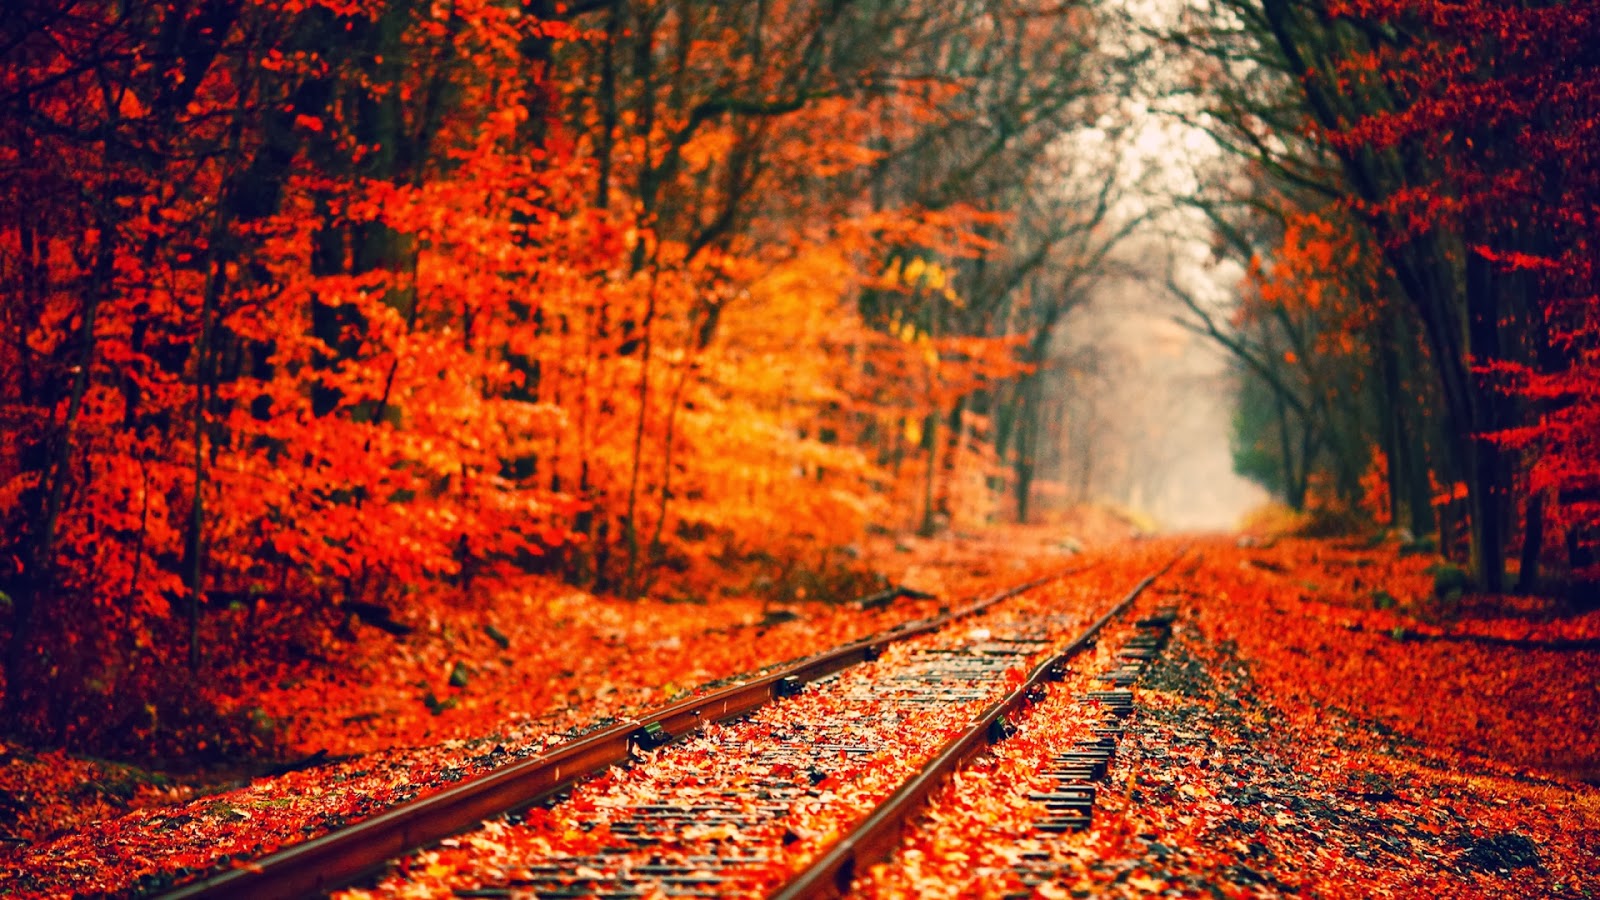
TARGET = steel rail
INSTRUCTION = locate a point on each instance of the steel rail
(341, 857)
(875, 838)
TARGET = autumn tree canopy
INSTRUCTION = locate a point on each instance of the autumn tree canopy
(308, 306)
(1418, 226)
(311, 311)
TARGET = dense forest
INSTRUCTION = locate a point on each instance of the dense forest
(1416, 211)
(309, 309)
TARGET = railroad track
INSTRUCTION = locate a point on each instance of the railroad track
(787, 785)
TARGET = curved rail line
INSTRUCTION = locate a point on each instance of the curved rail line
(875, 837)
(342, 857)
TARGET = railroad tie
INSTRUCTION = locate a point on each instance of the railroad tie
(1069, 805)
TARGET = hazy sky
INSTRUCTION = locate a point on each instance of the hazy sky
(1170, 400)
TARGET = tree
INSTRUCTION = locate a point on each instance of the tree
(1419, 111)
(313, 311)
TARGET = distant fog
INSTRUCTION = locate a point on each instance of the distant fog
(1142, 410)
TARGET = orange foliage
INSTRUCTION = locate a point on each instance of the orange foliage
(1294, 740)
(379, 300)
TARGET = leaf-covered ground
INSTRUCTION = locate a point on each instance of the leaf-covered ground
(777, 789)
(385, 724)
(1295, 740)
(1323, 723)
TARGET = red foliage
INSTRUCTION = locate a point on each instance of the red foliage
(321, 305)
(1291, 743)
(385, 722)
(1502, 99)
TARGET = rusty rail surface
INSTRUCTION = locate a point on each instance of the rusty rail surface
(875, 838)
(342, 857)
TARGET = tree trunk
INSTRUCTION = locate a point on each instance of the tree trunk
(39, 578)
(1532, 545)
(1294, 482)
(1027, 438)
(1487, 494)
(930, 440)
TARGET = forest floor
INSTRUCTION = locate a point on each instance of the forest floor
(1323, 723)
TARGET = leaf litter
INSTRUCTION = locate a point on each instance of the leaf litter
(1322, 724)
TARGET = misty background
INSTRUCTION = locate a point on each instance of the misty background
(1139, 408)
